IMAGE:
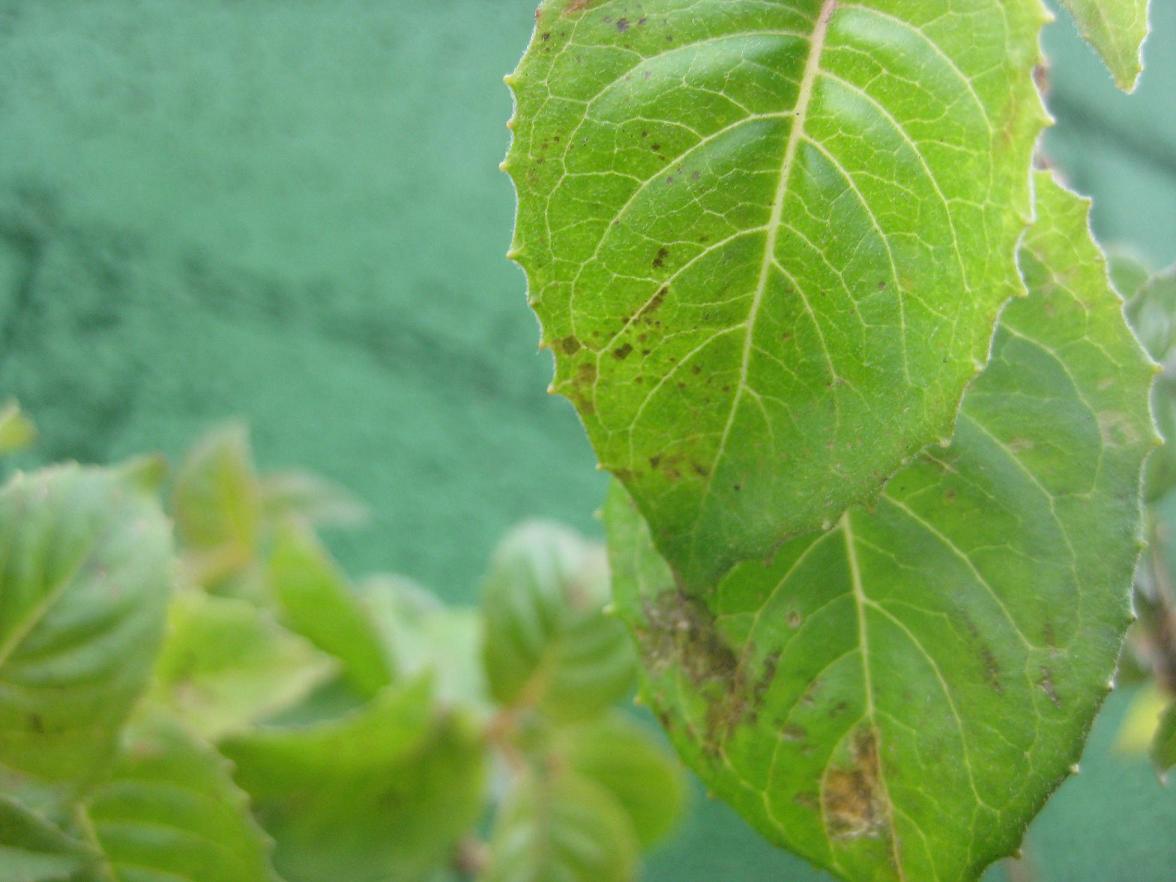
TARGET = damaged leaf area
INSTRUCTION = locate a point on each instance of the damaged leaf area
(746, 226)
(894, 698)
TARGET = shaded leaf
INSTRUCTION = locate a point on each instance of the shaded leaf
(561, 828)
(381, 795)
(547, 641)
(746, 226)
(621, 756)
(226, 664)
(85, 574)
(896, 697)
(172, 812)
(1116, 29)
(33, 850)
(315, 600)
(1163, 749)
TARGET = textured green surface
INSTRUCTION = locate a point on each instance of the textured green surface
(292, 212)
(172, 812)
(896, 697)
(748, 225)
(1116, 28)
(32, 850)
(85, 575)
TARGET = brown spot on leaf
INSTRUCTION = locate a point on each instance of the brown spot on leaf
(622, 352)
(853, 798)
(570, 345)
(1047, 686)
(622, 24)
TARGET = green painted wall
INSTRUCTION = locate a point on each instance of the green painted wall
(290, 211)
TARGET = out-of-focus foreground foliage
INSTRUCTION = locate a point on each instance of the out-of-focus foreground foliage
(218, 703)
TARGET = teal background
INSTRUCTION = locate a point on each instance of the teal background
(289, 211)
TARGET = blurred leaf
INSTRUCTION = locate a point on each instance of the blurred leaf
(1141, 722)
(16, 430)
(1163, 748)
(216, 502)
(172, 812)
(226, 664)
(421, 634)
(1116, 29)
(1128, 272)
(561, 828)
(315, 600)
(33, 850)
(547, 641)
(1151, 310)
(310, 499)
(646, 777)
(148, 472)
(85, 574)
(381, 794)
(1160, 470)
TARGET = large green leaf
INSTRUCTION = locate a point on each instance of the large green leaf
(547, 641)
(315, 600)
(226, 664)
(768, 242)
(85, 574)
(561, 828)
(896, 697)
(171, 812)
(1116, 29)
(381, 795)
(33, 850)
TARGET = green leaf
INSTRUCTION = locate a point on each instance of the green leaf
(626, 760)
(1163, 750)
(16, 430)
(381, 795)
(172, 812)
(1151, 310)
(226, 664)
(1116, 29)
(746, 226)
(85, 574)
(561, 828)
(217, 505)
(547, 641)
(315, 600)
(33, 850)
(309, 499)
(423, 635)
(896, 697)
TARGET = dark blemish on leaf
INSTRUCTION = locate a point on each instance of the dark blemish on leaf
(656, 301)
(644, 134)
(570, 345)
(695, 176)
(642, 21)
(794, 620)
(622, 352)
(655, 147)
(622, 24)
(991, 668)
(696, 369)
(658, 262)
(881, 286)
(794, 733)
(37, 724)
(736, 487)
(701, 470)
(1047, 686)
(806, 800)
(545, 36)
(654, 461)
(852, 798)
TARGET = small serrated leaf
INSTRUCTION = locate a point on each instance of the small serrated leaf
(1116, 29)
(547, 641)
(84, 582)
(171, 811)
(895, 698)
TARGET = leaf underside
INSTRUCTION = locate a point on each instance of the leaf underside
(894, 698)
(746, 226)
(1116, 29)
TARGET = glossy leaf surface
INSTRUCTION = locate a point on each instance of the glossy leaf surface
(85, 575)
(768, 242)
(895, 698)
(1116, 29)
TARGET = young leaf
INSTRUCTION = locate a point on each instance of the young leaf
(547, 641)
(768, 242)
(85, 574)
(33, 850)
(171, 811)
(1163, 749)
(561, 828)
(383, 793)
(226, 664)
(16, 430)
(315, 600)
(1116, 29)
(896, 697)
(622, 757)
